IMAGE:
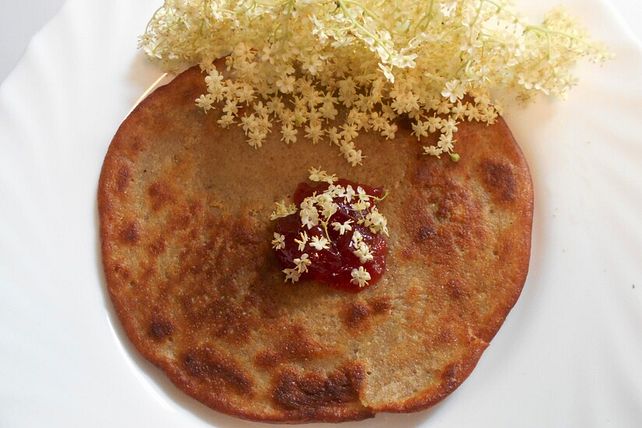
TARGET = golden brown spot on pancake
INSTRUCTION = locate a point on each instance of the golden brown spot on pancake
(413, 293)
(208, 365)
(220, 316)
(160, 195)
(157, 247)
(445, 336)
(444, 210)
(267, 359)
(312, 391)
(136, 144)
(456, 204)
(455, 289)
(121, 271)
(381, 305)
(263, 297)
(131, 233)
(123, 177)
(296, 346)
(443, 219)
(425, 232)
(499, 180)
(427, 173)
(433, 239)
(184, 215)
(358, 312)
(450, 376)
(160, 328)
(419, 224)
(504, 249)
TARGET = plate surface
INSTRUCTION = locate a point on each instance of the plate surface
(569, 353)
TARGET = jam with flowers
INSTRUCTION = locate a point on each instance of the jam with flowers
(333, 233)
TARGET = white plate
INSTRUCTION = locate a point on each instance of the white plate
(570, 353)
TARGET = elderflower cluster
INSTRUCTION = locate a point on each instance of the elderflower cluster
(318, 211)
(329, 70)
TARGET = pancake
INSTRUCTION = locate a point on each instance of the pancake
(184, 221)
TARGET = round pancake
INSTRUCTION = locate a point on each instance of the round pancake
(184, 221)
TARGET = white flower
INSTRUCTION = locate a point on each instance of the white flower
(301, 242)
(433, 151)
(354, 157)
(389, 131)
(226, 120)
(434, 123)
(302, 263)
(314, 132)
(309, 213)
(278, 243)
(342, 228)
(448, 126)
(319, 243)
(205, 102)
(288, 133)
(349, 131)
(282, 210)
(453, 91)
(286, 84)
(362, 195)
(291, 275)
(445, 142)
(363, 251)
(350, 193)
(326, 203)
(336, 191)
(376, 222)
(360, 205)
(420, 129)
(318, 175)
(329, 209)
(360, 277)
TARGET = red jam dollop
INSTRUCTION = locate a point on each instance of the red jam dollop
(334, 266)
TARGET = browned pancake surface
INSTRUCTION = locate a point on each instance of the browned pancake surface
(184, 221)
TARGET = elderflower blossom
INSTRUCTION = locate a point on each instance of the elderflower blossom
(376, 222)
(360, 277)
(318, 175)
(361, 249)
(293, 65)
(282, 210)
(309, 213)
(278, 243)
(319, 243)
(302, 263)
(301, 242)
(342, 228)
(291, 274)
